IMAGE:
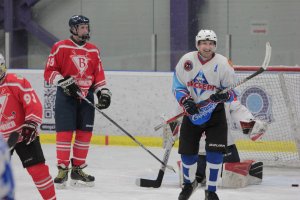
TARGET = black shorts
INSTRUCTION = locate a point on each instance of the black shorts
(215, 130)
(31, 154)
(73, 114)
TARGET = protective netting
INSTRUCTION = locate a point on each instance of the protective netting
(273, 96)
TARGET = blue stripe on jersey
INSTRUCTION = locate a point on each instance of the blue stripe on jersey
(178, 88)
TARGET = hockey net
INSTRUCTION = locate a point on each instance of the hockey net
(273, 96)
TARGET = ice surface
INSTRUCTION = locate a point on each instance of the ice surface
(116, 168)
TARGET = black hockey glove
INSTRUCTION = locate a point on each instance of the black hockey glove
(104, 98)
(29, 131)
(69, 86)
(220, 97)
(190, 107)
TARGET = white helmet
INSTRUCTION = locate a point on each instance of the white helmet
(206, 35)
(2, 67)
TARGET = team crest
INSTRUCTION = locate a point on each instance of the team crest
(81, 62)
(258, 102)
(188, 65)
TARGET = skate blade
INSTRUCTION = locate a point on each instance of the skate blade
(79, 183)
(60, 186)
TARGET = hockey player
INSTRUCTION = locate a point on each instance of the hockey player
(74, 65)
(198, 75)
(21, 111)
(7, 185)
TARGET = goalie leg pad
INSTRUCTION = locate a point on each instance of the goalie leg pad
(241, 174)
(255, 173)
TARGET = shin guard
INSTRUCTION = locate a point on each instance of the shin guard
(63, 147)
(43, 181)
(81, 147)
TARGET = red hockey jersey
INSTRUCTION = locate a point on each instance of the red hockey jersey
(18, 103)
(83, 63)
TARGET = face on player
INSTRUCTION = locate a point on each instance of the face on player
(206, 48)
(82, 31)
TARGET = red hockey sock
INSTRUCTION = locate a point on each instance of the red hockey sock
(43, 181)
(81, 147)
(63, 147)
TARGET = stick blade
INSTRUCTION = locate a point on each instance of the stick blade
(12, 139)
(151, 183)
(267, 56)
(148, 183)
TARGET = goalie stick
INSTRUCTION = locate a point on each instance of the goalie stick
(263, 68)
(157, 182)
(124, 131)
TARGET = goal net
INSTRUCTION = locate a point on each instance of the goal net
(274, 97)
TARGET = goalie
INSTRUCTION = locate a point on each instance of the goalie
(236, 173)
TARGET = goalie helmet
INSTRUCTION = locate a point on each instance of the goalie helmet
(75, 21)
(206, 35)
(2, 67)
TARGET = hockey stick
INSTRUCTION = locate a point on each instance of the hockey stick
(263, 68)
(168, 121)
(12, 140)
(124, 131)
(157, 182)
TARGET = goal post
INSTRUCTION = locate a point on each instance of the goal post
(274, 97)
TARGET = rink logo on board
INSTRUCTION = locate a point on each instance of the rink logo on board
(259, 103)
(188, 65)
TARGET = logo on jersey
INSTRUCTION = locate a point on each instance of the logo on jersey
(188, 65)
(216, 68)
(258, 102)
(7, 122)
(200, 84)
(81, 62)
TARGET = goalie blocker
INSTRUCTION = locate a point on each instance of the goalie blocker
(235, 173)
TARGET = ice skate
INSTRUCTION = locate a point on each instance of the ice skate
(187, 190)
(79, 178)
(211, 195)
(61, 179)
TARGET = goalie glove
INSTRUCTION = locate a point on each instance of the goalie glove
(255, 129)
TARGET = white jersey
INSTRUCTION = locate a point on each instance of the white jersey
(200, 79)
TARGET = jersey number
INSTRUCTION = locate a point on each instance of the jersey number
(29, 97)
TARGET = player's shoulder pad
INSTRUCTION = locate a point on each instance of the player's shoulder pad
(190, 55)
(92, 46)
(223, 60)
(13, 79)
(186, 62)
(63, 42)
